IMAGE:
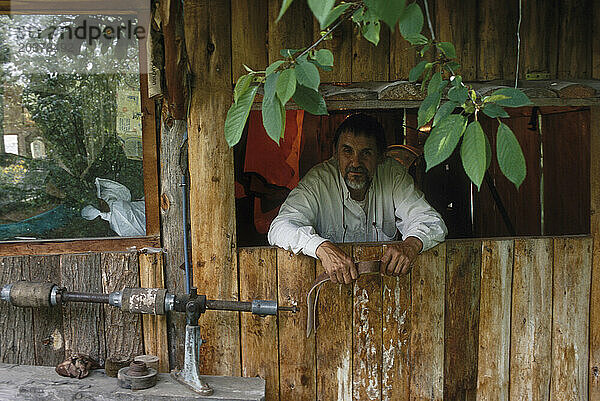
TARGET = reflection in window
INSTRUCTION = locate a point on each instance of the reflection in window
(70, 125)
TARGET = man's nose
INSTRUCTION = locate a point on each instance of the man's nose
(355, 161)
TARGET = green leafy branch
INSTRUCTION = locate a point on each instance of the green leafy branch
(296, 77)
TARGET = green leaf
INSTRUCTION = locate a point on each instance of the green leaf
(452, 67)
(456, 80)
(335, 14)
(242, 86)
(321, 9)
(248, 68)
(390, 11)
(416, 40)
(494, 98)
(284, 6)
(237, 116)
(493, 110)
(270, 69)
(271, 109)
(515, 97)
(458, 94)
(488, 153)
(324, 57)
(310, 100)
(286, 85)
(289, 52)
(448, 49)
(443, 139)
(417, 71)
(370, 31)
(510, 156)
(411, 22)
(424, 49)
(434, 84)
(473, 153)
(307, 74)
(428, 108)
(444, 110)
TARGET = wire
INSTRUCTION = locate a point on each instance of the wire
(518, 43)
(429, 19)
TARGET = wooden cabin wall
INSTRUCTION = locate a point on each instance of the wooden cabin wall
(46, 336)
(476, 319)
(555, 39)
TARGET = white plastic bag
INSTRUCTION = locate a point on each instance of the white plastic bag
(126, 218)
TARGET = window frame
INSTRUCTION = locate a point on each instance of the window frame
(149, 145)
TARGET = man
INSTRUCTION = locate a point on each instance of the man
(358, 195)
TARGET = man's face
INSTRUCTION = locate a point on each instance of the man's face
(358, 158)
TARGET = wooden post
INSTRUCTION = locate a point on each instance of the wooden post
(595, 231)
(574, 39)
(249, 29)
(212, 205)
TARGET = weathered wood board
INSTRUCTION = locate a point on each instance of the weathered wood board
(297, 364)
(594, 372)
(570, 319)
(494, 320)
(259, 339)
(461, 318)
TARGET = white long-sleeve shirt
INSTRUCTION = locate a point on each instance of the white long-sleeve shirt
(320, 208)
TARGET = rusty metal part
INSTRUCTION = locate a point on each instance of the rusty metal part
(137, 376)
(144, 300)
(85, 297)
(114, 364)
(29, 294)
(364, 267)
(78, 366)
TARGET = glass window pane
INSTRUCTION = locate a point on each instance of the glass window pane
(70, 124)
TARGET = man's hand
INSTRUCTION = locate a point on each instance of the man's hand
(398, 258)
(337, 264)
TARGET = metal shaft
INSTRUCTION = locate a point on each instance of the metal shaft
(85, 297)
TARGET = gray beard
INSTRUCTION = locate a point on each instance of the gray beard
(357, 186)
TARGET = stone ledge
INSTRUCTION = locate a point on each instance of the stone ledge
(22, 382)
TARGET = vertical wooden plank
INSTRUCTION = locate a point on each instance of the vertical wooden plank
(539, 25)
(48, 325)
(334, 339)
(494, 320)
(154, 327)
(123, 330)
(260, 348)
(570, 313)
(370, 62)
(497, 53)
(83, 323)
(293, 31)
(367, 339)
(249, 27)
(427, 321)
(212, 199)
(531, 311)
(403, 57)
(297, 364)
(596, 43)
(15, 322)
(461, 318)
(341, 46)
(396, 307)
(574, 45)
(455, 21)
(595, 231)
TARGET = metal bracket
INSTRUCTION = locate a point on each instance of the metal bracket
(190, 375)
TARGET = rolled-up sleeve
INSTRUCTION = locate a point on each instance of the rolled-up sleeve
(294, 227)
(416, 217)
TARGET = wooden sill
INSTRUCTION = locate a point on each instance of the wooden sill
(70, 246)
